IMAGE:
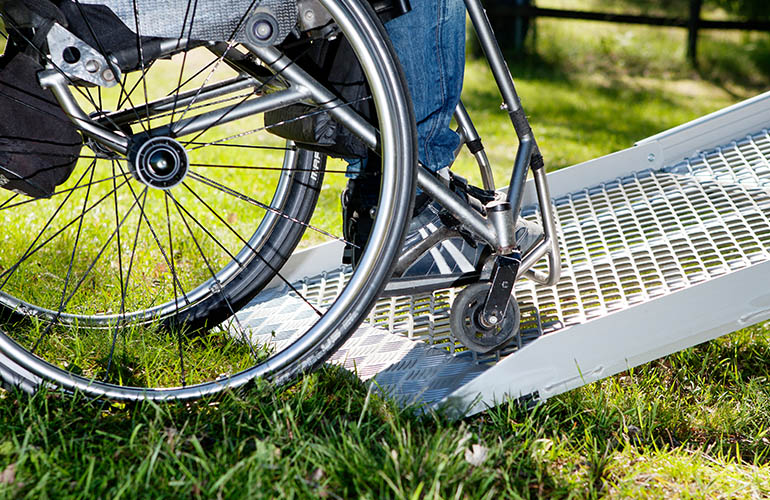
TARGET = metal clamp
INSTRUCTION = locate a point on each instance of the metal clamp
(503, 278)
(78, 60)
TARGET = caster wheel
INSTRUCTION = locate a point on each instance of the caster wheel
(468, 327)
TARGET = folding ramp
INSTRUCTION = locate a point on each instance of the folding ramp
(664, 245)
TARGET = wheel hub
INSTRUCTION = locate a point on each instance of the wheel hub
(161, 163)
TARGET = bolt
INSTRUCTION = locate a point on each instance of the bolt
(108, 75)
(309, 15)
(651, 157)
(263, 30)
(493, 320)
(92, 66)
(372, 212)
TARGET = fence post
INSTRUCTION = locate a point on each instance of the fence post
(692, 31)
(519, 28)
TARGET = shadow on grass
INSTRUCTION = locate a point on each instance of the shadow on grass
(728, 64)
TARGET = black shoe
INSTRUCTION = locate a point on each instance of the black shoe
(359, 201)
(435, 253)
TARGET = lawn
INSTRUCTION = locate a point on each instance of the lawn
(695, 424)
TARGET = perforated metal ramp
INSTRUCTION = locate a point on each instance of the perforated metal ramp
(664, 245)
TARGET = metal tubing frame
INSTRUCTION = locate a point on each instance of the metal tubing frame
(56, 82)
(351, 16)
(284, 66)
(476, 223)
(243, 109)
(97, 130)
(184, 99)
(304, 86)
(470, 134)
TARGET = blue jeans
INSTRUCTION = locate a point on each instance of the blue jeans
(430, 44)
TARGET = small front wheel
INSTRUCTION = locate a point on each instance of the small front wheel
(469, 328)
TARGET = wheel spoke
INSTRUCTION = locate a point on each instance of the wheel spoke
(15, 27)
(145, 69)
(79, 231)
(103, 248)
(106, 57)
(216, 122)
(272, 169)
(220, 288)
(176, 300)
(27, 104)
(123, 286)
(256, 91)
(184, 56)
(5, 205)
(268, 127)
(248, 199)
(200, 106)
(244, 146)
(193, 77)
(33, 250)
(253, 250)
(83, 278)
(29, 252)
(155, 237)
(230, 45)
(219, 245)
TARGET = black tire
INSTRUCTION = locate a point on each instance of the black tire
(466, 324)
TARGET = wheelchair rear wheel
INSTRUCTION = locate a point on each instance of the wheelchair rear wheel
(125, 285)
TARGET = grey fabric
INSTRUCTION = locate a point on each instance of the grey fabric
(213, 20)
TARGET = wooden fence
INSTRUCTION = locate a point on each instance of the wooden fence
(520, 11)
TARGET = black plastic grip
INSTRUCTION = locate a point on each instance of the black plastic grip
(475, 146)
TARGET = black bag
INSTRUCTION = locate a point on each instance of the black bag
(334, 63)
(39, 145)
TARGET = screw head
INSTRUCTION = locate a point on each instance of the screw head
(651, 157)
(108, 75)
(92, 66)
(493, 320)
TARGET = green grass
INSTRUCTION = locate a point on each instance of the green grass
(693, 425)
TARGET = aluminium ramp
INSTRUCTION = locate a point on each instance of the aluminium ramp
(664, 245)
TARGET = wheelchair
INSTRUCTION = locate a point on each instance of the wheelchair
(171, 198)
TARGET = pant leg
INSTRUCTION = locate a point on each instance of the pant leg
(430, 44)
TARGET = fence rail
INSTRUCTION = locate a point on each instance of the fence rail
(693, 23)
